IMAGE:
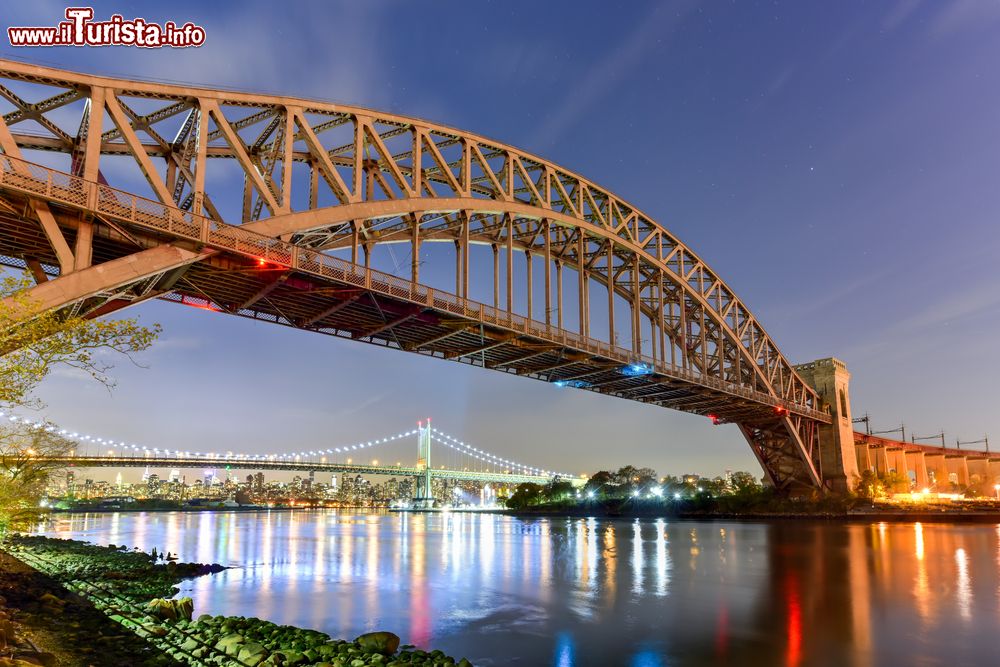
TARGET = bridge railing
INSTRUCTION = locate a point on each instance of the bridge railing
(43, 182)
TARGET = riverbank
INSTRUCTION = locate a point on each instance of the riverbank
(858, 515)
(128, 591)
(46, 624)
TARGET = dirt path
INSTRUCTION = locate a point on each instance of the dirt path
(66, 629)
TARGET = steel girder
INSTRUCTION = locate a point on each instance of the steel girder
(365, 179)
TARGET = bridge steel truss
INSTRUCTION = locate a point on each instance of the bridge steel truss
(326, 185)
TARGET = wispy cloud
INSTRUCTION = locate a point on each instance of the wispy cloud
(939, 321)
(608, 74)
(901, 11)
(955, 17)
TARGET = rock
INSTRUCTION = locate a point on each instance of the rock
(292, 657)
(385, 643)
(185, 608)
(230, 643)
(250, 649)
(171, 610)
(464, 662)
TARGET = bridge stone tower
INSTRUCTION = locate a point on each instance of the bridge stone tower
(830, 378)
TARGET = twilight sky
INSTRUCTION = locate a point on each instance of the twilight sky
(835, 163)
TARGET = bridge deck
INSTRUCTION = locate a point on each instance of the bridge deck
(244, 463)
(364, 304)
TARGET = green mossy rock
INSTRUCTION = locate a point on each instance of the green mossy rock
(251, 649)
(230, 644)
(292, 657)
(385, 643)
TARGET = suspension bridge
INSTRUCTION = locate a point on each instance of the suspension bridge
(467, 463)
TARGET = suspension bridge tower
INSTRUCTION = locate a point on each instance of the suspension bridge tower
(425, 496)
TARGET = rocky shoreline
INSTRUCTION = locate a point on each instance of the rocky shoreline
(134, 590)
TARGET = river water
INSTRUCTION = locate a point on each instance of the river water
(565, 592)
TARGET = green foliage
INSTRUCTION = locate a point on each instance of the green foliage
(556, 492)
(559, 489)
(621, 484)
(525, 495)
(23, 471)
(32, 343)
(869, 486)
(895, 482)
(744, 484)
(597, 485)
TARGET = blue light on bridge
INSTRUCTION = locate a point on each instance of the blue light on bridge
(636, 369)
(575, 384)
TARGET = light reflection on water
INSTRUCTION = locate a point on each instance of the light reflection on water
(570, 592)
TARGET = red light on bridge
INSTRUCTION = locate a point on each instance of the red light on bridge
(715, 419)
(261, 262)
(780, 411)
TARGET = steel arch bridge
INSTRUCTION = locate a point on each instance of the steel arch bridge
(324, 188)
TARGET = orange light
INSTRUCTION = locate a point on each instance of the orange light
(261, 262)
(780, 411)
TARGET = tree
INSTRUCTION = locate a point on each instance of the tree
(558, 489)
(646, 479)
(713, 487)
(744, 484)
(671, 485)
(524, 495)
(625, 476)
(629, 480)
(32, 343)
(869, 486)
(598, 484)
(24, 470)
(895, 482)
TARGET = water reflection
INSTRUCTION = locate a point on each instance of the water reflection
(597, 592)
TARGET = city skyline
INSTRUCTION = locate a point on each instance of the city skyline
(737, 170)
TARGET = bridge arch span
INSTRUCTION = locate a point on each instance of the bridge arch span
(322, 180)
